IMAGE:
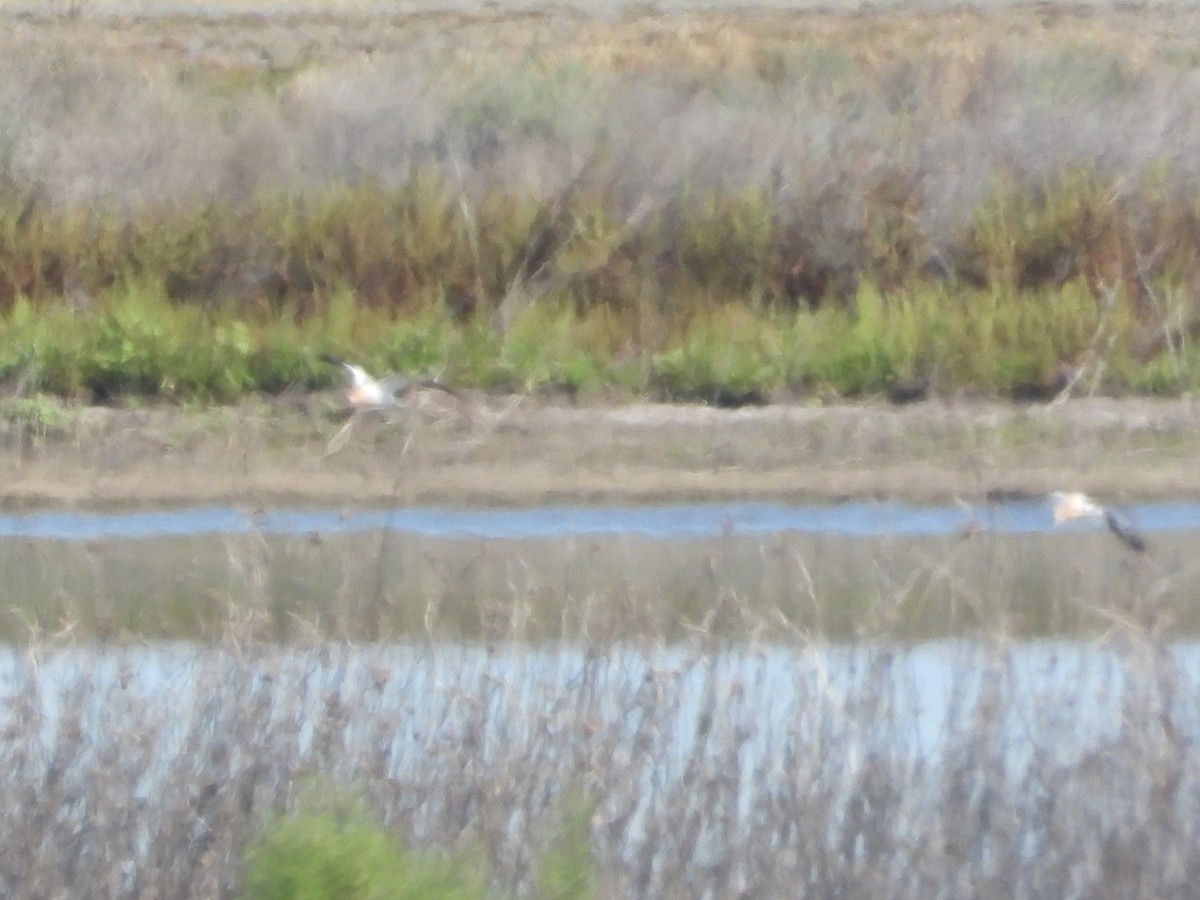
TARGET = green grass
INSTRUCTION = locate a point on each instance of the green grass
(332, 848)
(132, 342)
(340, 853)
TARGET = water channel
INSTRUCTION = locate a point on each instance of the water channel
(733, 570)
(724, 668)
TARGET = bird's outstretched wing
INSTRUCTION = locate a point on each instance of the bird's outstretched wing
(1130, 538)
(399, 385)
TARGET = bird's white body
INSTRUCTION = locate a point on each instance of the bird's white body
(366, 392)
(1069, 505)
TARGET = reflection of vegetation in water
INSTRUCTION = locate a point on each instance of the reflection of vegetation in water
(395, 586)
(759, 769)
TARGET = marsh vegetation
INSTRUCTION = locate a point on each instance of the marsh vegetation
(686, 206)
(747, 768)
(387, 586)
(621, 717)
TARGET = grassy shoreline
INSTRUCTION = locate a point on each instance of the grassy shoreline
(525, 451)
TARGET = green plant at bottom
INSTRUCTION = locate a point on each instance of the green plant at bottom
(331, 848)
(565, 868)
(339, 853)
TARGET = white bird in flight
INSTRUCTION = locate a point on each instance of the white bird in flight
(1070, 505)
(368, 393)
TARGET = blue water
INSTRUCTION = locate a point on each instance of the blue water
(1058, 699)
(858, 519)
(968, 733)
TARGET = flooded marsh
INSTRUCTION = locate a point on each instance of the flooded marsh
(729, 571)
(748, 699)
(1030, 769)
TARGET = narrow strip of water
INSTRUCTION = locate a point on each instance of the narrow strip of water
(851, 519)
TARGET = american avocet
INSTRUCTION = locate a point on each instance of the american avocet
(366, 392)
(1069, 505)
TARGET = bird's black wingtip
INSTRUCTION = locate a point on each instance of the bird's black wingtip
(332, 359)
(1127, 535)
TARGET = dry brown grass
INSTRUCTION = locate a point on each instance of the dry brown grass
(934, 104)
(535, 451)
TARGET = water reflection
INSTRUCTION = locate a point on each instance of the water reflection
(1058, 700)
(966, 760)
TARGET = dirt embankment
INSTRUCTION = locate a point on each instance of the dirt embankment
(521, 451)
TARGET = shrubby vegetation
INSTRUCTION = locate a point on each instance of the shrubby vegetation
(828, 212)
(339, 853)
(332, 848)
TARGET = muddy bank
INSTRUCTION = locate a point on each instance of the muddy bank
(521, 451)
